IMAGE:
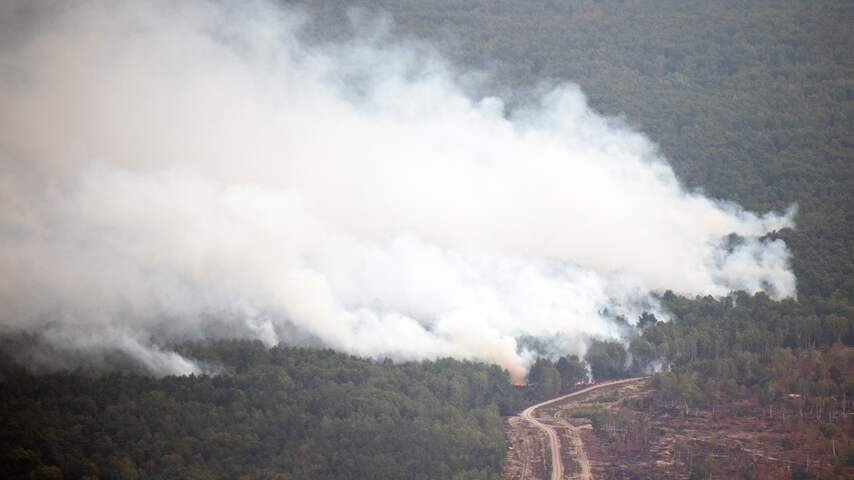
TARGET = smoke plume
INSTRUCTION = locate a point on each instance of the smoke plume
(172, 173)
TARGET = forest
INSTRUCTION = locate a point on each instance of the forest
(281, 413)
(750, 101)
(275, 413)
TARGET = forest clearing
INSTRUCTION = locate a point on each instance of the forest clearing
(632, 431)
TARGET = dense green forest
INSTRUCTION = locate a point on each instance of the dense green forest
(280, 413)
(751, 101)
(275, 413)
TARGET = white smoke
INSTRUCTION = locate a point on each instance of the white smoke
(196, 171)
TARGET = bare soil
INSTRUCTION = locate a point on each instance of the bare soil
(526, 457)
(737, 439)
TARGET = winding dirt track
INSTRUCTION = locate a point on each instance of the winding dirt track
(554, 441)
(578, 449)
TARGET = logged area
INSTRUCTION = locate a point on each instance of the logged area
(542, 444)
(633, 430)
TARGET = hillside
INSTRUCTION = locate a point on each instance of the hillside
(174, 320)
(270, 414)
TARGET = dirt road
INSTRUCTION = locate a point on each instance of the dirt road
(579, 453)
(529, 414)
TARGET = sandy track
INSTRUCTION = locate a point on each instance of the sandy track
(578, 450)
(529, 414)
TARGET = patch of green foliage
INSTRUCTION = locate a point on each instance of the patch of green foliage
(280, 413)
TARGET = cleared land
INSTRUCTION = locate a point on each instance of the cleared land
(535, 439)
(624, 431)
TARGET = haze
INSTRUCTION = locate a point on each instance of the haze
(176, 173)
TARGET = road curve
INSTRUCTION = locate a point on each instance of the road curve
(554, 440)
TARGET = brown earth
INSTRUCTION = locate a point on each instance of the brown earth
(526, 457)
(543, 445)
(641, 437)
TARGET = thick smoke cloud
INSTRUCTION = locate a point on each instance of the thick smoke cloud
(187, 172)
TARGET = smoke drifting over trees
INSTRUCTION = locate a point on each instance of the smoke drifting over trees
(187, 172)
